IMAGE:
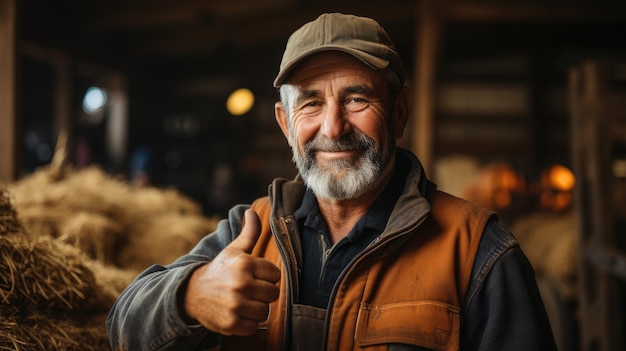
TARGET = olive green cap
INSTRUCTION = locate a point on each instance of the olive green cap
(360, 37)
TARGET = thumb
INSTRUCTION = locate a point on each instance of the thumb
(250, 232)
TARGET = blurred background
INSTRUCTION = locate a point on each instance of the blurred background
(518, 106)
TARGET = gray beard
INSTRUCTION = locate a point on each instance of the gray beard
(344, 178)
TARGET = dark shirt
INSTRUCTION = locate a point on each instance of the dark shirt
(323, 262)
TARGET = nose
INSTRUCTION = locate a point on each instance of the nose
(334, 124)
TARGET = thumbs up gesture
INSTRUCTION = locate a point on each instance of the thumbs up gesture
(231, 294)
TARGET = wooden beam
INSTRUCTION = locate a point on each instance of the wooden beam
(155, 14)
(152, 14)
(9, 126)
(463, 11)
(247, 29)
(181, 23)
(427, 46)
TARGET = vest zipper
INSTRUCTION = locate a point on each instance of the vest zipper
(285, 247)
(372, 248)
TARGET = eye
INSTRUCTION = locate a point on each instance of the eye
(308, 104)
(356, 104)
(356, 100)
(310, 107)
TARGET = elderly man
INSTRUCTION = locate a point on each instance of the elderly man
(360, 251)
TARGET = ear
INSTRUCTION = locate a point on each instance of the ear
(281, 118)
(401, 111)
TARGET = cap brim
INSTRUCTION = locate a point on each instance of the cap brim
(371, 61)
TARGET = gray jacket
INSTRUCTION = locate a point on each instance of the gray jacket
(503, 309)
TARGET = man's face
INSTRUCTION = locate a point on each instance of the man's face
(340, 128)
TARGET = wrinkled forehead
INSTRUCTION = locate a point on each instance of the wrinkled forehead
(328, 66)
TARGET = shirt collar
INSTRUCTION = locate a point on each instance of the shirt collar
(376, 217)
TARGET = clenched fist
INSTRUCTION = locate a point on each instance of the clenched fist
(231, 294)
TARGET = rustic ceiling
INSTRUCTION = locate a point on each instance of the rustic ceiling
(219, 36)
(124, 32)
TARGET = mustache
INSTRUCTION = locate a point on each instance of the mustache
(348, 142)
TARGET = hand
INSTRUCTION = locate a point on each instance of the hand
(231, 294)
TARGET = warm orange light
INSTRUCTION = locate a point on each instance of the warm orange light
(561, 178)
(556, 186)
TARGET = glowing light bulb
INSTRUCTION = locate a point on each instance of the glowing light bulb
(240, 102)
(95, 98)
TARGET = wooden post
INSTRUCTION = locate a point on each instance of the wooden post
(117, 123)
(597, 127)
(63, 114)
(427, 37)
(9, 126)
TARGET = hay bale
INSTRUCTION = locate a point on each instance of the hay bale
(8, 216)
(163, 239)
(43, 274)
(156, 201)
(42, 220)
(40, 332)
(96, 235)
(111, 281)
(88, 189)
(74, 240)
(49, 298)
(112, 221)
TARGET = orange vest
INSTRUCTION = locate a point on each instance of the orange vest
(407, 291)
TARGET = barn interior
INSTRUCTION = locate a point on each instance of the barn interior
(519, 106)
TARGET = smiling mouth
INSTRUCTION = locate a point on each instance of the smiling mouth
(337, 153)
(337, 158)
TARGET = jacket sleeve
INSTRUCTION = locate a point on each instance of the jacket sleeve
(503, 309)
(146, 316)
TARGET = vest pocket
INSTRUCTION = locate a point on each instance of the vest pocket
(430, 324)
